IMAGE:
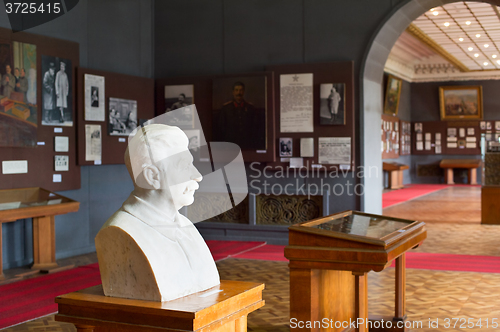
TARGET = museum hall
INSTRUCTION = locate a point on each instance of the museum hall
(217, 165)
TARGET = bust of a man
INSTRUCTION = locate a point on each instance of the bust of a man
(147, 250)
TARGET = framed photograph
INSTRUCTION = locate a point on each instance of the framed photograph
(239, 111)
(122, 116)
(286, 147)
(332, 104)
(482, 125)
(57, 91)
(179, 96)
(418, 127)
(470, 131)
(392, 95)
(488, 125)
(61, 163)
(452, 132)
(461, 102)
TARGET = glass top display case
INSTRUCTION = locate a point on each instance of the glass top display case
(361, 227)
(31, 202)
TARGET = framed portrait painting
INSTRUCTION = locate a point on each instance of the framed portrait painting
(239, 111)
(392, 95)
(461, 102)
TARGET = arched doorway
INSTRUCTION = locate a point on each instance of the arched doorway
(372, 71)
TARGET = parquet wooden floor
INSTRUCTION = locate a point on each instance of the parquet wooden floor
(430, 294)
(457, 205)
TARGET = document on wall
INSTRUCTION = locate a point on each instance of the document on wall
(94, 98)
(61, 144)
(420, 146)
(296, 103)
(334, 150)
(307, 147)
(93, 142)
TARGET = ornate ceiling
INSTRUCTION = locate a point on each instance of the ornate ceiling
(457, 41)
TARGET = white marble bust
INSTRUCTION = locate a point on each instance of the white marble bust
(147, 250)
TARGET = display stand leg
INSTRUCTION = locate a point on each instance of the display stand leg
(44, 245)
(240, 324)
(361, 299)
(400, 178)
(304, 295)
(393, 180)
(472, 175)
(448, 176)
(400, 310)
(84, 328)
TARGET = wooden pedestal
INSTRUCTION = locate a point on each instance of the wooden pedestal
(223, 308)
(490, 205)
(329, 269)
(450, 164)
(395, 172)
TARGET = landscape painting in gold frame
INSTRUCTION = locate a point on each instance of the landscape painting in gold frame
(461, 102)
(392, 95)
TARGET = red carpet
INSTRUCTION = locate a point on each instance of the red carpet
(411, 192)
(447, 262)
(28, 299)
(224, 249)
(268, 252)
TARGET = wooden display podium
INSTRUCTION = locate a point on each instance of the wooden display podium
(395, 172)
(41, 205)
(222, 308)
(330, 258)
(450, 164)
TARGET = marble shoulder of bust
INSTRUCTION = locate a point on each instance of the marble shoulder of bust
(139, 262)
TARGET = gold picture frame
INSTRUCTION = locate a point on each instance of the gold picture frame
(461, 102)
(392, 95)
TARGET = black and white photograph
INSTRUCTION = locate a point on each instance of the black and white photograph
(452, 132)
(332, 104)
(239, 111)
(61, 163)
(482, 125)
(57, 91)
(179, 96)
(94, 96)
(418, 127)
(286, 147)
(122, 116)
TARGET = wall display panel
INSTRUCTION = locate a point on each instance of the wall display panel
(390, 137)
(27, 52)
(323, 73)
(447, 138)
(490, 129)
(428, 138)
(128, 99)
(405, 138)
(211, 93)
(462, 137)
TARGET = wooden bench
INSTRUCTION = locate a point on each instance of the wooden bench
(395, 171)
(450, 164)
